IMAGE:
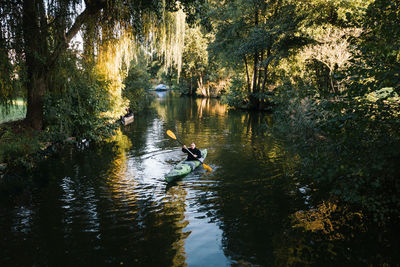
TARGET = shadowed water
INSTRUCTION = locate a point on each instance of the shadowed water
(110, 204)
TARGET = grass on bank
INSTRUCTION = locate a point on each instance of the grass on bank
(14, 112)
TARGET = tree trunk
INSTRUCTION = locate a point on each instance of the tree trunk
(34, 111)
(247, 74)
(253, 99)
(191, 84)
(35, 34)
(38, 57)
(264, 79)
(331, 81)
(265, 76)
(255, 68)
(260, 71)
(200, 84)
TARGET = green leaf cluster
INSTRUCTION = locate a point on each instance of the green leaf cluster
(77, 106)
(137, 84)
(17, 150)
(348, 148)
(378, 63)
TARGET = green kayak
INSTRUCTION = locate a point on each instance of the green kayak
(184, 167)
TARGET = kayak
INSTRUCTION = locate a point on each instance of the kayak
(185, 167)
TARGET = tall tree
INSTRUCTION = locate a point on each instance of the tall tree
(257, 33)
(47, 27)
(43, 48)
(195, 59)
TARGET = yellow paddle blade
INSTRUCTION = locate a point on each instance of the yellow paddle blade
(171, 134)
(208, 168)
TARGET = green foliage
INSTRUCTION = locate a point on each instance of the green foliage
(378, 63)
(348, 145)
(238, 95)
(77, 108)
(351, 148)
(17, 149)
(11, 76)
(137, 84)
(339, 13)
(384, 94)
(252, 37)
(195, 55)
(6, 83)
(194, 59)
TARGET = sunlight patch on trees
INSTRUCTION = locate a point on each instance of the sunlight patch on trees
(165, 38)
(113, 62)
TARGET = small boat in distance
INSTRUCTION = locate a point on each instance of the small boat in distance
(128, 117)
(127, 120)
(161, 87)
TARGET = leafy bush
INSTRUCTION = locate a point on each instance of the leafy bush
(237, 96)
(17, 149)
(349, 148)
(78, 111)
(136, 86)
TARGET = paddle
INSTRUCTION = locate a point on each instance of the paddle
(172, 135)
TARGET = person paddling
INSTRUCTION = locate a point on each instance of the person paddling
(195, 153)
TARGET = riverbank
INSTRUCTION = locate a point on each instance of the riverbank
(347, 149)
(23, 148)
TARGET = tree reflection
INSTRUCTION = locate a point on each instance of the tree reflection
(157, 223)
(174, 205)
(331, 233)
(210, 106)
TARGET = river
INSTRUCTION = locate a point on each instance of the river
(110, 205)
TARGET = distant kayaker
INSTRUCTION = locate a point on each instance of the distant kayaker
(196, 153)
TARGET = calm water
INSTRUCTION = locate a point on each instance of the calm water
(110, 205)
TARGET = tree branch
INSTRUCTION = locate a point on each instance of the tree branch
(90, 10)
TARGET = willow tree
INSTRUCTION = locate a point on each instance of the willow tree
(46, 28)
(164, 38)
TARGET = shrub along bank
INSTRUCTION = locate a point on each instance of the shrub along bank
(349, 148)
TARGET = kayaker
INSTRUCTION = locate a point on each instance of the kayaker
(196, 152)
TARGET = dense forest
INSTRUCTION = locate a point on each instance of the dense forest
(328, 71)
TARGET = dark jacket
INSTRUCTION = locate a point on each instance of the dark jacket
(195, 151)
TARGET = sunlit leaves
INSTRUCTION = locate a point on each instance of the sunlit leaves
(113, 61)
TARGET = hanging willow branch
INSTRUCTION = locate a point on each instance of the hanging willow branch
(89, 11)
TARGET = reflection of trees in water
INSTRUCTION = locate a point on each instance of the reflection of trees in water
(210, 107)
(255, 204)
(185, 109)
(174, 205)
(99, 213)
(155, 234)
(65, 211)
(247, 134)
(251, 214)
(322, 235)
(162, 222)
(251, 200)
(120, 183)
(330, 233)
(185, 117)
(137, 131)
